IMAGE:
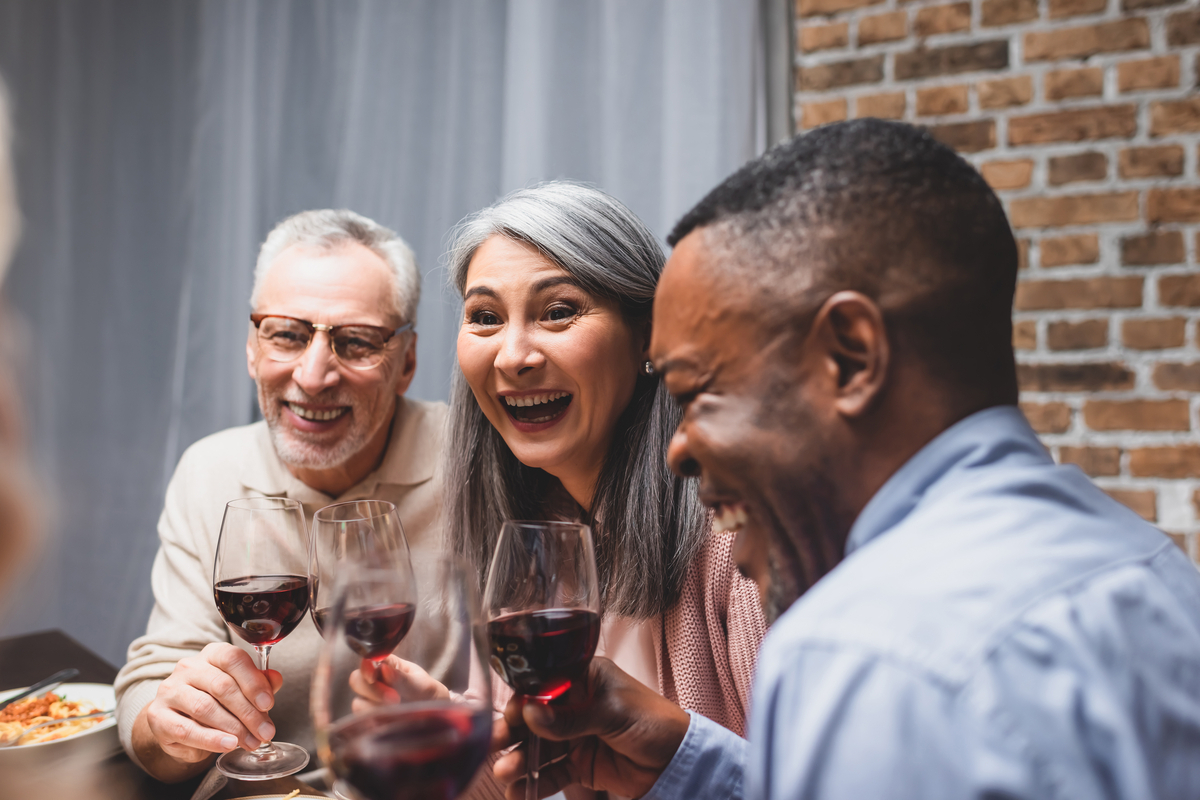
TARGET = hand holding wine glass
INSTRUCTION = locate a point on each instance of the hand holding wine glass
(260, 585)
(405, 745)
(542, 606)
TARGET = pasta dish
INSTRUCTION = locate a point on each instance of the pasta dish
(23, 715)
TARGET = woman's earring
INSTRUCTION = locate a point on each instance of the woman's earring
(648, 368)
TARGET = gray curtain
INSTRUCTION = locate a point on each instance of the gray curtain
(159, 142)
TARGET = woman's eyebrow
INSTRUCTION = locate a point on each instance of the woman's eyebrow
(474, 290)
(557, 280)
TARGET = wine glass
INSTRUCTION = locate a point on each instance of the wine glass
(421, 727)
(542, 607)
(369, 532)
(261, 589)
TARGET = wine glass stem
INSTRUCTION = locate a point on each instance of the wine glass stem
(264, 659)
(534, 756)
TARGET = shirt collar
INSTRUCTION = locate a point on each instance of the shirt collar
(987, 436)
(409, 459)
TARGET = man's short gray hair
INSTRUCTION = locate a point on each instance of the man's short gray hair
(328, 228)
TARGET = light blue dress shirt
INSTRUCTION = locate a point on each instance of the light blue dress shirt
(1000, 628)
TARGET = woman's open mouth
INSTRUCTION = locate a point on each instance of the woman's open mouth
(535, 409)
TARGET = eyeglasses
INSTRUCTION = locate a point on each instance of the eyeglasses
(285, 339)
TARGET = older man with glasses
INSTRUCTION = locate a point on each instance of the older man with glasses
(332, 349)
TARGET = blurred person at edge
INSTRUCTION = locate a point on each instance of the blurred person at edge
(18, 524)
(331, 431)
(959, 617)
(554, 414)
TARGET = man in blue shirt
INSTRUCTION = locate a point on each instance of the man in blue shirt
(957, 615)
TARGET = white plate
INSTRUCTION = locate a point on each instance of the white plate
(97, 742)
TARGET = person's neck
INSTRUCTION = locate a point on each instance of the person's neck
(336, 481)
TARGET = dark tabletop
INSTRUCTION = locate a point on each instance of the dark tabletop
(31, 657)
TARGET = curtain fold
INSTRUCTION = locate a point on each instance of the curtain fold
(159, 142)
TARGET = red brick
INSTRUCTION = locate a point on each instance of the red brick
(1151, 162)
(952, 60)
(1076, 125)
(966, 137)
(1087, 334)
(824, 37)
(1137, 415)
(1183, 28)
(840, 73)
(1066, 83)
(1005, 92)
(1092, 377)
(883, 106)
(1002, 175)
(1173, 205)
(1022, 254)
(1025, 334)
(1048, 417)
(940, 100)
(1064, 250)
(1079, 209)
(1078, 167)
(883, 28)
(1095, 461)
(1074, 8)
(1179, 290)
(1173, 376)
(1154, 334)
(1149, 73)
(1182, 461)
(1156, 247)
(1178, 539)
(1007, 12)
(943, 19)
(1175, 116)
(1082, 42)
(813, 8)
(822, 112)
(1138, 5)
(1101, 292)
(1144, 502)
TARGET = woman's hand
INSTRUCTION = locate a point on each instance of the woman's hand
(620, 739)
(393, 680)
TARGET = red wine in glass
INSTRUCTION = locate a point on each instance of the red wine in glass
(542, 607)
(260, 585)
(542, 653)
(429, 752)
(262, 609)
(403, 738)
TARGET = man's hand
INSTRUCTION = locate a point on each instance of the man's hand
(620, 739)
(211, 703)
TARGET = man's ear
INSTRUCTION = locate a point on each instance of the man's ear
(850, 330)
(252, 352)
(408, 365)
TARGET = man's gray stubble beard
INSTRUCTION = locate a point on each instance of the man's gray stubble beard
(305, 456)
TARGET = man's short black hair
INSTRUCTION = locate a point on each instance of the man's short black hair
(884, 209)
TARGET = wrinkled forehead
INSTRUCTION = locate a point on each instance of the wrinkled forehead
(331, 285)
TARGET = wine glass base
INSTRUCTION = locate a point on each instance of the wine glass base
(283, 760)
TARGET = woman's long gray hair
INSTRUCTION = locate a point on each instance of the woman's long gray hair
(647, 523)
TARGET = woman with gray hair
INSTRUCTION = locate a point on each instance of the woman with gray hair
(556, 414)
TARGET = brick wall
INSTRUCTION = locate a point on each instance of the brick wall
(1084, 115)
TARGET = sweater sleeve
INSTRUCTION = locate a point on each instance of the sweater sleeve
(184, 617)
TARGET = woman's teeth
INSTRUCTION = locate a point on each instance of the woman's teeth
(534, 399)
(314, 414)
(729, 518)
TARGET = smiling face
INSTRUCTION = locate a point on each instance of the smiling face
(551, 366)
(325, 417)
(756, 429)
